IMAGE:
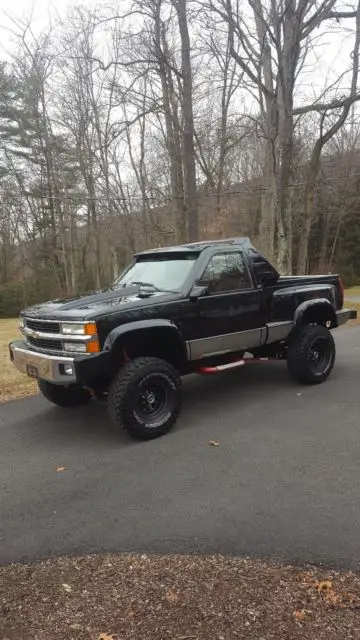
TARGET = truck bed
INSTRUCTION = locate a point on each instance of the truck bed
(330, 279)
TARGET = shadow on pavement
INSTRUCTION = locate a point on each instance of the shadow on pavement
(202, 395)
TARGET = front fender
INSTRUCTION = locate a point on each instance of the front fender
(157, 337)
(138, 325)
(318, 310)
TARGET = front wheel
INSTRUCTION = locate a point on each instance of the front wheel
(145, 398)
(62, 396)
(311, 354)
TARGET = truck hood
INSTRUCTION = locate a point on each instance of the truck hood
(94, 304)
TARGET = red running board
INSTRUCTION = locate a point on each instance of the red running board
(220, 367)
(205, 371)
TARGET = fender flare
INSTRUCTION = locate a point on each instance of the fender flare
(321, 306)
(130, 328)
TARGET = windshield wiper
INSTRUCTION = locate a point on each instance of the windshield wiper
(150, 285)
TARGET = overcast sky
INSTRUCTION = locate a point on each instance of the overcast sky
(40, 8)
(327, 61)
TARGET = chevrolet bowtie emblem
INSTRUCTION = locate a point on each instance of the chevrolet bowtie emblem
(33, 334)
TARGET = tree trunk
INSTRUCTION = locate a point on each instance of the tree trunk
(322, 263)
(284, 227)
(172, 125)
(188, 145)
(266, 240)
(302, 261)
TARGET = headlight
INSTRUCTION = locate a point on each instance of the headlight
(86, 329)
(74, 329)
(75, 347)
(21, 322)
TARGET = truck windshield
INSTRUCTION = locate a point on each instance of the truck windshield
(163, 273)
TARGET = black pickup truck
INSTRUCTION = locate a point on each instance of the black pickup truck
(203, 307)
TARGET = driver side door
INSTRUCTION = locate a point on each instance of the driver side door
(231, 315)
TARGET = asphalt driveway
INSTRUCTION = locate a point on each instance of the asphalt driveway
(284, 482)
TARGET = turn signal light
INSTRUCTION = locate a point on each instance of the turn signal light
(93, 346)
(90, 329)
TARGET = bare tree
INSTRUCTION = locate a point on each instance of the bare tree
(188, 119)
(337, 115)
(188, 144)
(167, 70)
(221, 126)
(270, 43)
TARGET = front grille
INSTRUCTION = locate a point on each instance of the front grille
(44, 327)
(48, 345)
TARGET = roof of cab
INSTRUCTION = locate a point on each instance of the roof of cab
(198, 246)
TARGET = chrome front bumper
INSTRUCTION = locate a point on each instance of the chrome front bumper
(57, 369)
(344, 315)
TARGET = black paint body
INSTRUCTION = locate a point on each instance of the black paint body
(168, 323)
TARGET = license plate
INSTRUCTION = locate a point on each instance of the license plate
(32, 371)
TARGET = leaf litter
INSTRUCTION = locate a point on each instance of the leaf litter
(133, 597)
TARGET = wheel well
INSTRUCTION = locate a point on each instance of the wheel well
(158, 342)
(322, 314)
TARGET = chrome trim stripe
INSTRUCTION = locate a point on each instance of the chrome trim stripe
(56, 352)
(43, 356)
(48, 366)
(40, 335)
(278, 331)
(58, 320)
(226, 343)
(188, 350)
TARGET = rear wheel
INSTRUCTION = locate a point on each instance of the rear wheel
(145, 398)
(311, 354)
(71, 396)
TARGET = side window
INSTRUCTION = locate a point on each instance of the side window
(226, 272)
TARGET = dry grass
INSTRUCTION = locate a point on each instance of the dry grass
(12, 383)
(176, 597)
(353, 291)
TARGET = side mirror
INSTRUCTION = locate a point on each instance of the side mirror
(197, 291)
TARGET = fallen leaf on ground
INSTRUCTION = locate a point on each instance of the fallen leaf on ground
(351, 598)
(325, 585)
(106, 636)
(67, 588)
(59, 469)
(171, 596)
(214, 443)
(299, 615)
(332, 597)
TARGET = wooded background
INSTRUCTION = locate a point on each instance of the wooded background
(165, 121)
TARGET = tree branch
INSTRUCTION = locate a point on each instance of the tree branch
(233, 26)
(115, 63)
(338, 15)
(334, 104)
(317, 18)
